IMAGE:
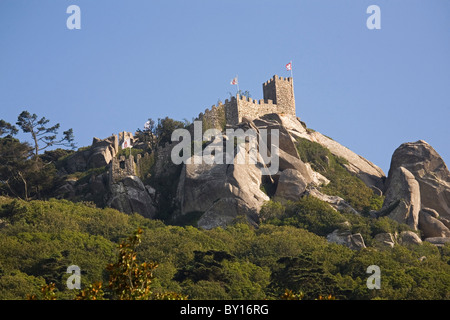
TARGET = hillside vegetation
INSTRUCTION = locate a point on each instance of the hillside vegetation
(40, 239)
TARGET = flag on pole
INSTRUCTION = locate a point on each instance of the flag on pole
(234, 81)
(289, 66)
(126, 143)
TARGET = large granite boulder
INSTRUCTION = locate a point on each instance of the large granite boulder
(222, 191)
(225, 211)
(409, 238)
(291, 185)
(131, 196)
(99, 154)
(430, 225)
(352, 241)
(385, 240)
(335, 202)
(438, 241)
(402, 202)
(102, 151)
(430, 171)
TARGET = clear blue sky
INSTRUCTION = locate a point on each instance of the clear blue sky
(370, 90)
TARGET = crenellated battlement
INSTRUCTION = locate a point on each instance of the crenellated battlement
(278, 98)
(275, 77)
(254, 101)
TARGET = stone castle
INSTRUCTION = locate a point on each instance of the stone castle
(278, 97)
(278, 94)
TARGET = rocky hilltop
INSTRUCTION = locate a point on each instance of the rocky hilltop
(416, 191)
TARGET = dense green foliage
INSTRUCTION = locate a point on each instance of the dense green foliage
(342, 183)
(308, 213)
(320, 218)
(40, 239)
(20, 175)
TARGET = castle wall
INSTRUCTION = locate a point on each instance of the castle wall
(278, 98)
(120, 168)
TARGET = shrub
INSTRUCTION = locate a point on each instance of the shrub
(342, 182)
(271, 210)
(308, 213)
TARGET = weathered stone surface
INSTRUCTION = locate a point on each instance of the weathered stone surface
(438, 241)
(288, 155)
(225, 211)
(430, 212)
(356, 242)
(385, 239)
(352, 241)
(368, 172)
(77, 162)
(403, 198)
(209, 187)
(98, 155)
(102, 151)
(151, 191)
(334, 201)
(430, 171)
(339, 237)
(445, 221)
(317, 178)
(67, 190)
(430, 226)
(409, 238)
(130, 195)
(291, 185)
(99, 184)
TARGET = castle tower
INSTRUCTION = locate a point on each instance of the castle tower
(278, 98)
(281, 91)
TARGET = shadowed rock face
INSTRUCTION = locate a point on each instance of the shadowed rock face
(430, 225)
(98, 155)
(403, 198)
(430, 171)
(224, 192)
(130, 195)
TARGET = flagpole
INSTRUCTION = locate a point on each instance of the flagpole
(237, 83)
(291, 71)
(292, 76)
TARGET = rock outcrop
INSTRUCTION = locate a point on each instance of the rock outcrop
(438, 241)
(385, 239)
(335, 202)
(418, 189)
(430, 171)
(291, 185)
(402, 202)
(131, 196)
(99, 154)
(222, 191)
(409, 238)
(352, 241)
(430, 225)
